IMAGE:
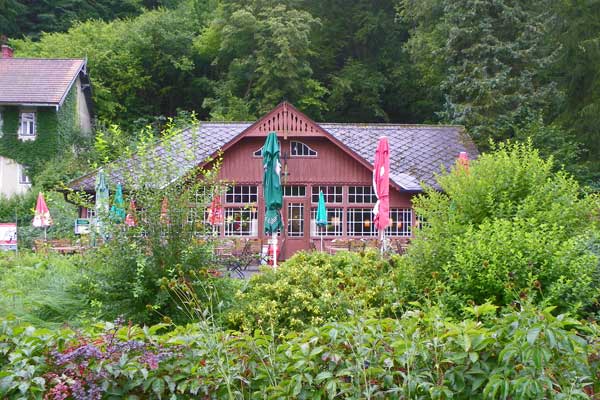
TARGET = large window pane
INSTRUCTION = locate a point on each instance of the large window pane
(361, 195)
(401, 222)
(241, 222)
(241, 194)
(332, 194)
(334, 223)
(360, 222)
(295, 220)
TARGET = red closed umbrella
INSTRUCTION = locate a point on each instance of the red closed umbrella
(41, 217)
(381, 184)
(215, 211)
(130, 218)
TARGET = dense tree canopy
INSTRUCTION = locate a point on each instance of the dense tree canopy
(504, 68)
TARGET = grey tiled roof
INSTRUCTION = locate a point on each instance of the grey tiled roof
(37, 81)
(418, 152)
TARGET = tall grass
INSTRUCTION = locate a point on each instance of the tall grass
(41, 288)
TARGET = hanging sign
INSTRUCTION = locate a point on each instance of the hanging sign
(82, 226)
(8, 236)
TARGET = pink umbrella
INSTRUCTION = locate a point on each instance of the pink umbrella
(381, 184)
(164, 211)
(130, 218)
(41, 217)
(463, 160)
(215, 212)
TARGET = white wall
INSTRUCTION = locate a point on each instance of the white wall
(85, 122)
(9, 178)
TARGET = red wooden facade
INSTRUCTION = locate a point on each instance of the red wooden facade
(318, 162)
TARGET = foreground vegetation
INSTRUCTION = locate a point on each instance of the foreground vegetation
(495, 298)
(524, 353)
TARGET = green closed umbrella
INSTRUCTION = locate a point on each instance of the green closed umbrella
(272, 189)
(117, 210)
(101, 203)
(321, 215)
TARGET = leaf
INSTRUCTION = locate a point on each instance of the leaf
(321, 376)
(532, 335)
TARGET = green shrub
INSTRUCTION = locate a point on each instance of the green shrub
(505, 226)
(41, 288)
(524, 354)
(312, 288)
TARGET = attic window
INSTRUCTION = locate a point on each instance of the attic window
(27, 126)
(258, 153)
(299, 149)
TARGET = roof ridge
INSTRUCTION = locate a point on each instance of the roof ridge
(385, 124)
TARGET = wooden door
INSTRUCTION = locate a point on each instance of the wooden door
(296, 214)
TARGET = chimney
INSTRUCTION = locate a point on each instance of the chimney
(7, 51)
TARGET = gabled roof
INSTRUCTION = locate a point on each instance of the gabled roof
(417, 151)
(37, 82)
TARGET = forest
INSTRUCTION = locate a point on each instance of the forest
(505, 69)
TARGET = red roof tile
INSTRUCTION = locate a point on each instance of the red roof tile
(37, 81)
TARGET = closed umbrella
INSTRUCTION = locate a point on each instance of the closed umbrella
(215, 213)
(101, 203)
(272, 190)
(117, 210)
(41, 217)
(130, 218)
(321, 215)
(381, 184)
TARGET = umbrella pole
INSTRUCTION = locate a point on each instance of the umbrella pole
(274, 250)
(45, 234)
(321, 239)
(382, 238)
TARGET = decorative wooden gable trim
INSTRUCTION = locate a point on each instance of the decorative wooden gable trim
(286, 120)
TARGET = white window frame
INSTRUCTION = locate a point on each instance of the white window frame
(330, 192)
(246, 227)
(27, 125)
(300, 149)
(1, 122)
(367, 195)
(23, 177)
(247, 194)
(367, 226)
(401, 222)
(294, 191)
(295, 230)
(335, 223)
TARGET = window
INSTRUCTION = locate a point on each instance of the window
(27, 126)
(294, 191)
(1, 122)
(299, 149)
(362, 195)
(401, 222)
(334, 223)
(332, 194)
(360, 222)
(241, 194)
(241, 222)
(421, 222)
(258, 153)
(295, 220)
(23, 178)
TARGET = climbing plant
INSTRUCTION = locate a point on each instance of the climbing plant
(56, 132)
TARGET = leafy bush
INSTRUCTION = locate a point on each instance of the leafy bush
(503, 226)
(314, 288)
(41, 288)
(525, 354)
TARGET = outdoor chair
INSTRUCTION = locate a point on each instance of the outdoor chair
(338, 245)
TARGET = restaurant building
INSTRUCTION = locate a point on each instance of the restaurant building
(336, 158)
